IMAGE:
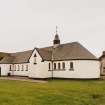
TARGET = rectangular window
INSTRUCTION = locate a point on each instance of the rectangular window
(54, 66)
(10, 68)
(18, 68)
(26, 67)
(59, 66)
(49, 66)
(22, 68)
(63, 65)
(15, 68)
(35, 59)
(71, 66)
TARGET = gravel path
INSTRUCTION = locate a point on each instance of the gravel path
(23, 79)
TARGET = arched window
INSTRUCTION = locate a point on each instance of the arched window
(15, 68)
(63, 65)
(35, 58)
(49, 66)
(54, 66)
(22, 68)
(10, 68)
(71, 66)
(26, 67)
(59, 66)
(18, 67)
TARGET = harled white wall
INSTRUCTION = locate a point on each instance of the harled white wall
(40, 69)
(4, 69)
(82, 69)
(19, 71)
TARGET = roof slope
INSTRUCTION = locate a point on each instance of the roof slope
(68, 51)
(45, 53)
(19, 57)
(72, 51)
(2, 55)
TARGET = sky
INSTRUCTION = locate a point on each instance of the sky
(26, 24)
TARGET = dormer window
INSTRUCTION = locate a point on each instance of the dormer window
(35, 58)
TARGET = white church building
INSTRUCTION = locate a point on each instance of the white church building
(69, 61)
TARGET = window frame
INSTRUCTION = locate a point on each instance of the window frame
(71, 66)
(22, 68)
(10, 67)
(59, 66)
(63, 65)
(14, 67)
(18, 68)
(55, 67)
(49, 66)
(35, 58)
(26, 67)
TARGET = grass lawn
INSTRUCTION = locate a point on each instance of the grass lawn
(56, 92)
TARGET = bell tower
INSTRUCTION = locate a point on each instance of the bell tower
(56, 41)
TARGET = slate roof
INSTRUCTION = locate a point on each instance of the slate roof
(19, 57)
(45, 53)
(72, 51)
(68, 51)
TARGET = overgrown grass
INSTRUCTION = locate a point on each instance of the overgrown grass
(56, 92)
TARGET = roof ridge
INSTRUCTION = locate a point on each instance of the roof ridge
(60, 44)
(21, 52)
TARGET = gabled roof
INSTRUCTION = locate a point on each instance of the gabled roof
(8, 59)
(68, 51)
(45, 53)
(19, 57)
(72, 51)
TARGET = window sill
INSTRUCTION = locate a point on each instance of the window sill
(35, 63)
(71, 69)
(57, 70)
(49, 70)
